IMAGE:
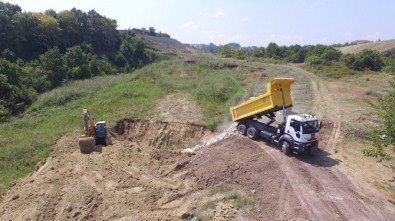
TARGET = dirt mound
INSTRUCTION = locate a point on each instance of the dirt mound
(238, 164)
(129, 180)
(146, 175)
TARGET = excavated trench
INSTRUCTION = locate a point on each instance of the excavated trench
(138, 177)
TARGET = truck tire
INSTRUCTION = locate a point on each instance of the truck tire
(242, 129)
(252, 133)
(285, 148)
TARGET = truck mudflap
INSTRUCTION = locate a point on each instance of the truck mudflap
(305, 147)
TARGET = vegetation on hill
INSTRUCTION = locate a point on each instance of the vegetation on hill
(316, 57)
(378, 45)
(383, 136)
(41, 51)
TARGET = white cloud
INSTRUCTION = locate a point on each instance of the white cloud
(190, 24)
(218, 13)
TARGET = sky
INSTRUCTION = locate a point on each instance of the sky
(247, 22)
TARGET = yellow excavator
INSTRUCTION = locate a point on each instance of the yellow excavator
(93, 133)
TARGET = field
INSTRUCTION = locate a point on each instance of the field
(379, 46)
(156, 112)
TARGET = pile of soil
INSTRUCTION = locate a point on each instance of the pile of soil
(145, 174)
(239, 164)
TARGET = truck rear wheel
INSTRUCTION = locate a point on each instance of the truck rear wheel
(242, 129)
(252, 133)
(285, 148)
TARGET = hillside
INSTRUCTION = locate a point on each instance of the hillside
(162, 39)
(146, 174)
(379, 46)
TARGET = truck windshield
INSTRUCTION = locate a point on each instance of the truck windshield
(309, 127)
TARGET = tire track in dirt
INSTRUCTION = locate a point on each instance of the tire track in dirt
(323, 192)
(324, 105)
(306, 188)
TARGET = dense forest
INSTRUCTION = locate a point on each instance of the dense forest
(40, 51)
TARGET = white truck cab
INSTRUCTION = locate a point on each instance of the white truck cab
(301, 132)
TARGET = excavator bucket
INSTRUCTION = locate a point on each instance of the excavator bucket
(87, 144)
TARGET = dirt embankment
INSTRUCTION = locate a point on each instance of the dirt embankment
(129, 180)
(146, 175)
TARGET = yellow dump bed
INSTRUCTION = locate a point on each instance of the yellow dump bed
(278, 91)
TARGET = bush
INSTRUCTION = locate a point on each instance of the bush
(383, 135)
(389, 67)
(313, 60)
(331, 54)
(366, 59)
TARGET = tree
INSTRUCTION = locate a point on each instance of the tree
(15, 89)
(383, 135)
(132, 52)
(273, 51)
(366, 59)
(104, 36)
(239, 53)
(9, 55)
(53, 67)
(258, 52)
(296, 54)
(226, 51)
(151, 31)
(76, 62)
(331, 54)
(313, 60)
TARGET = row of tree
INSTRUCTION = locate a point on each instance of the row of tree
(40, 51)
(30, 34)
(314, 55)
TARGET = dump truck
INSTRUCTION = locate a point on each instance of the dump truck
(297, 133)
(94, 133)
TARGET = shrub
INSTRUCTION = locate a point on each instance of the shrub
(366, 59)
(313, 60)
(383, 135)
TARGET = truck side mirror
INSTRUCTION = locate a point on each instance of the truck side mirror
(298, 134)
(320, 125)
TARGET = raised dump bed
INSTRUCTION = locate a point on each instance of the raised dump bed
(278, 94)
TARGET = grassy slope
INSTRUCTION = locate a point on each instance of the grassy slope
(28, 140)
(379, 46)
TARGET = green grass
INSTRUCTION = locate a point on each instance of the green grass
(28, 140)
(334, 70)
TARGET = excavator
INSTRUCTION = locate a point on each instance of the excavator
(94, 133)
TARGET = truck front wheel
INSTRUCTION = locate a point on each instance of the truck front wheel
(242, 129)
(285, 148)
(252, 133)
